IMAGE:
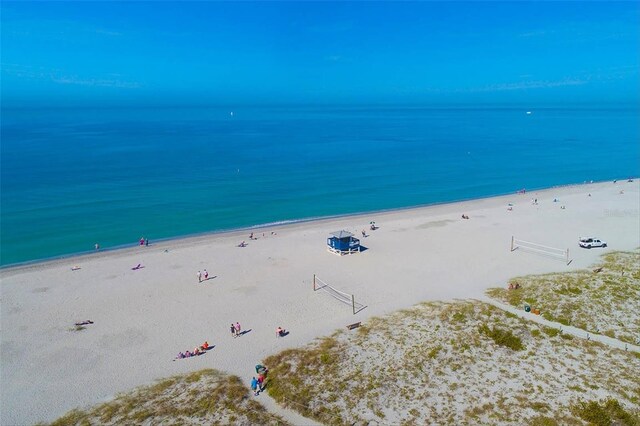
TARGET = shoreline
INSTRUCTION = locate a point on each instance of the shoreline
(274, 225)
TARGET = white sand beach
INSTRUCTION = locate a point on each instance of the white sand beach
(142, 318)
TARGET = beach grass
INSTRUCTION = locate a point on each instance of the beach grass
(454, 363)
(201, 397)
(604, 299)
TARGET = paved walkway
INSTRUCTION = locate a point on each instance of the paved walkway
(577, 332)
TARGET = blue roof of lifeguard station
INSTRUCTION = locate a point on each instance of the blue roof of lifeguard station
(341, 234)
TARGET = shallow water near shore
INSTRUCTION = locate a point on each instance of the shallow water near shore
(71, 178)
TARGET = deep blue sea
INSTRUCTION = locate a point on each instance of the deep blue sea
(74, 177)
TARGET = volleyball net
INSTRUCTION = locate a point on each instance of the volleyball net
(341, 296)
(556, 253)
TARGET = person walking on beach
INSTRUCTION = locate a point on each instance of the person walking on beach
(254, 386)
(146, 242)
(233, 331)
(199, 276)
(206, 275)
(238, 328)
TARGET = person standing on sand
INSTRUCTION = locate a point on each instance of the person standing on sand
(260, 382)
(233, 331)
(199, 276)
(206, 275)
(254, 386)
(238, 328)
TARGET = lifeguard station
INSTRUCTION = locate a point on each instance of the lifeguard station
(343, 242)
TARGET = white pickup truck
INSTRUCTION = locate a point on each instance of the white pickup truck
(587, 242)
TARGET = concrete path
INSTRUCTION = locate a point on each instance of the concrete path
(577, 332)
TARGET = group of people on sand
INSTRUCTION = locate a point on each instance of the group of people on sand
(198, 350)
(464, 216)
(258, 384)
(514, 286)
(253, 238)
(236, 329)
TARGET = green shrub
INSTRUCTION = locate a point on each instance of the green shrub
(604, 413)
(502, 337)
(543, 421)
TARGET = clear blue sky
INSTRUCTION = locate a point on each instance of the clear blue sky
(307, 52)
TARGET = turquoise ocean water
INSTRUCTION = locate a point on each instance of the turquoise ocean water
(74, 177)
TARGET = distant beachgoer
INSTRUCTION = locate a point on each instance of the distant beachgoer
(85, 322)
(279, 332)
(187, 354)
(233, 331)
(97, 246)
(206, 275)
(589, 195)
(138, 266)
(180, 355)
(199, 276)
(242, 244)
(204, 346)
(364, 234)
(254, 386)
(142, 241)
(238, 328)
(251, 236)
(146, 242)
(75, 268)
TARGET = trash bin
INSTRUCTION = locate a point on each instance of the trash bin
(527, 308)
